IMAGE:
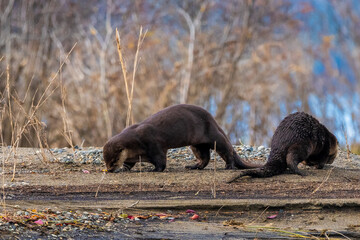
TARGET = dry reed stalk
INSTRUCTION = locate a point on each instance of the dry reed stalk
(11, 120)
(214, 175)
(37, 125)
(130, 94)
(102, 178)
(30, 117)
(123, 68)
(140, 185)
(9, 102)
(136, 61)
(3, 160)
(66, 132)
(38, 129)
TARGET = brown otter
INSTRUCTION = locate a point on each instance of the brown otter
(175, 126)
(298, 138)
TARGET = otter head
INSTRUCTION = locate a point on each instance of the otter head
(111, 157)
(333, 149)
(329, 159)
(122, 151)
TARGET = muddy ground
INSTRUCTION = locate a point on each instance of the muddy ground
(323, 204)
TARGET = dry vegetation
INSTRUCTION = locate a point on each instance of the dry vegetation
(244, 61)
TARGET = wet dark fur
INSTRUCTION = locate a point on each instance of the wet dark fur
(175, 126)
(298, 138)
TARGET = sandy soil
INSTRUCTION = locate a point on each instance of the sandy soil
(324, 199)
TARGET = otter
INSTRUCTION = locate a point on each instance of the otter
(298, 138)
(173, 127)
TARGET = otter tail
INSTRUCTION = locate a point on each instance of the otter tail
(241, 164)
(263, 172)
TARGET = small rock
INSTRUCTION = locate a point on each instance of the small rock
(19, 213)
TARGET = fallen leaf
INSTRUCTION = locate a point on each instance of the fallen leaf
(160, 214)
(272, 216)
(190, 211)
(39, 222)
(194, 217)
(85, 171)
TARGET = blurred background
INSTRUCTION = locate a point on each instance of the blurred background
(250, 63)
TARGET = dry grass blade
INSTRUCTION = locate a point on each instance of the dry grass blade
(339, 234)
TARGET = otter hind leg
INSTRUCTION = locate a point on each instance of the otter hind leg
(224, 149)
(202, 154)
(295, 155)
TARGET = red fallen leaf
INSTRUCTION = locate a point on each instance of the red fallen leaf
(39, 222)
(190, 211)
(194, 217)
(141, 217)
(272, 216)
(160, 214)
(131, 217)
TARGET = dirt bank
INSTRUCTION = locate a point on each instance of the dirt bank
(324, 199)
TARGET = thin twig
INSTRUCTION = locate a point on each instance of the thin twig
(260, 215)
(217, 213)
(134, 204)
(325, 179)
